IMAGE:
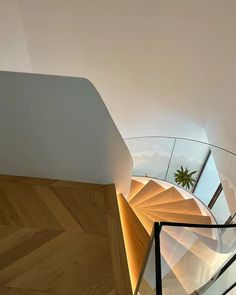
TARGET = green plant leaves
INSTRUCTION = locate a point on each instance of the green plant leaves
(184, 178)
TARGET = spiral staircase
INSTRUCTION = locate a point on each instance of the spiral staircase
(63, 229)
(194, 249)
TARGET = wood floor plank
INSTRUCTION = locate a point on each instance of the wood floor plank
(19, 291)
(66, 269)
(8, 214)
(58, 209)
(6, 231)
(58, 237)
(87, 208)
(18, 236)
(27, 208)
(26, 246)
(27, 262)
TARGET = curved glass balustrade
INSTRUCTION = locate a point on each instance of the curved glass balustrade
(190, 259)
(215, 176)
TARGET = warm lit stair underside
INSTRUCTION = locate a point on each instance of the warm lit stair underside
(150, 202)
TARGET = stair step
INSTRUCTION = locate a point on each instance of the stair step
(171, 285)
(149, 190)
(188, 206)
(203, 232)
(136, 239)
(171, 249)
(176, 217)
(205, 235)
(146, 222)
(169, 195)
(145, 288)
(191, 242)
(191, 271)
(135, 187)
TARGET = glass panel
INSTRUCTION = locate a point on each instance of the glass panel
(188, 154)
(208, 182)
(193, 256)
(148, 281)
(160, 157)
(226, 280)
(226, 163)
(150, 155)
(233, 221)
(232, 291)
(220, 209)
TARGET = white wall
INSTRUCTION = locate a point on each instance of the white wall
(147, 58)
(14, 54)
(160, 66)
(58, 127)
(221, 120)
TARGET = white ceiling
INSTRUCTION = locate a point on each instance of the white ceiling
(159, 65)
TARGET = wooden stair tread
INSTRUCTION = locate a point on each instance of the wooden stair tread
(169, 195)
(171, 249)
(192, 272)
(145, 288)
(191, 242)
(203, 232)
(188, 206)
(176, 217)
(205, 235)
(184, 248)
(146, 222)
(135, 187)
(136, 239)
(171, 285)
(186, 266)
(149, 190)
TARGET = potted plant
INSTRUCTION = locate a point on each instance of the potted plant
(184, 178)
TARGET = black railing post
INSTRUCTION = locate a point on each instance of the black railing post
(158, 258)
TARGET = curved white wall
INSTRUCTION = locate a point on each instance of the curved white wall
(160, 65)
(58, 127)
